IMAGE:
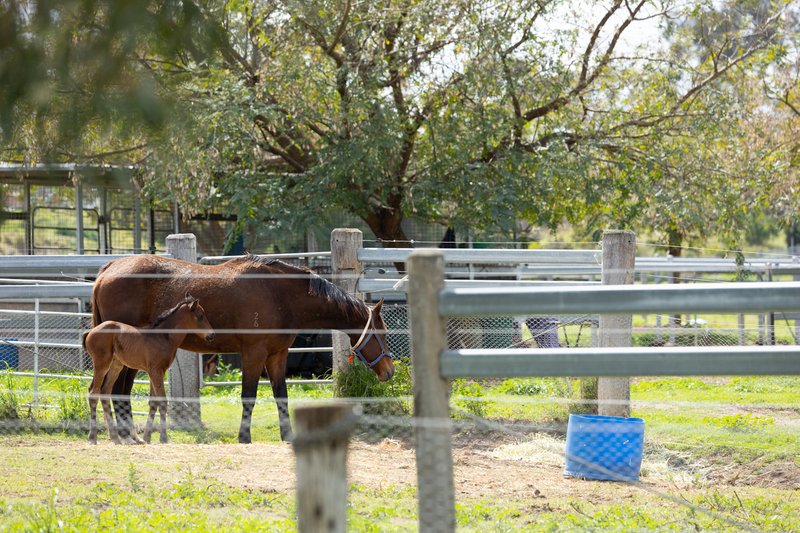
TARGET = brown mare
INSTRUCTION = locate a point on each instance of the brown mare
(113, 346)
(257, 307)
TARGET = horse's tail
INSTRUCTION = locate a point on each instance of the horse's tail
(96, 318)
(83, 339)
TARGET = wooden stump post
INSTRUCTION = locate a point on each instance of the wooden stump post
(619, 256)
(184, 374)
(346, 268)
(436, 503)
(320, 444)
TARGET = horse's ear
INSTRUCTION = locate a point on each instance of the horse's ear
(193, 305)
(377, 307)
(188, 296)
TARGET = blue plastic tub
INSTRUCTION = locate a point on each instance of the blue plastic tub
(604, 447)
(9, 355)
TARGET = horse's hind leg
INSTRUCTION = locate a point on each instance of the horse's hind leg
(107, 389)
(122, 406)
(251, 372)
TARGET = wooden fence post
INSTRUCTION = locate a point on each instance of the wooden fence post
(345, 269)
(184, 374)
(322, 434)
(619, 257)
(436, 504)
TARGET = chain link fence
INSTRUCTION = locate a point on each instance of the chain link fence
(509, 438)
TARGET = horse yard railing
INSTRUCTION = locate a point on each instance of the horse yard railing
(431, 304)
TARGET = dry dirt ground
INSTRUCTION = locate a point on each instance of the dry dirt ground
(485, 467)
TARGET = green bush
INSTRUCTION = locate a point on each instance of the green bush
(358, 381)
(468, 397)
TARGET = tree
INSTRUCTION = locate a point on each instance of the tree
(461, 112)
(73, 85)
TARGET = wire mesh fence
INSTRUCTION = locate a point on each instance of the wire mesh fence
(703, 461)
(716, 453)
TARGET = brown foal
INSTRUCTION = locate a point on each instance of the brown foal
(113, 346)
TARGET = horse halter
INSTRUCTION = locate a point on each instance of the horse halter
(364, 339)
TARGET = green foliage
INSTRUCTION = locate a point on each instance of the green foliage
(428, 110)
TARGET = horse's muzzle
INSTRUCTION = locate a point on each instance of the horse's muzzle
(210, 337)
(387, 375)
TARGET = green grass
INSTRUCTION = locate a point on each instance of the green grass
(713, 424)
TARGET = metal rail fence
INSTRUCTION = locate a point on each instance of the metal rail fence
(432, 303)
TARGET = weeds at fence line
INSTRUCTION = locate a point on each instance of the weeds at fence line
(467, 396)
(703, 435)
(9, 399)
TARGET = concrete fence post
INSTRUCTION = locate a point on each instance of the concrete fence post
(619, 257)
(184, 374)
(436, 504)
(345, 268)
(322, 435)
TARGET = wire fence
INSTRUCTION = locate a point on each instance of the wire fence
(510, 450)
(716, 453)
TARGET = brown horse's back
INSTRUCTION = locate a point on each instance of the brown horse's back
(135, 289)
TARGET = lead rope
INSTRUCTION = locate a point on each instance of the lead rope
(366, 328)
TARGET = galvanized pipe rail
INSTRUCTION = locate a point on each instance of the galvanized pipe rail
(67, 266)
(632, 299)
(431, 303)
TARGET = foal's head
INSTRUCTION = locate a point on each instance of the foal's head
(191, 316)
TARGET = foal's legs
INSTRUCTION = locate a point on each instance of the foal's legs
(106, 389)
(158, 401)
(100, 363)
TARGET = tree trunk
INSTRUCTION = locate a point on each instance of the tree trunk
(674, 242)
(385, 222)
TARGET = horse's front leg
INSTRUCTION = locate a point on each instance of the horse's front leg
(276, 368)
(250, 375)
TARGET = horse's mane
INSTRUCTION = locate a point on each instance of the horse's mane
(160, 319)
(317, 285)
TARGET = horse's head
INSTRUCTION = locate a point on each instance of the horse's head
(372, 348)
(198, 314)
